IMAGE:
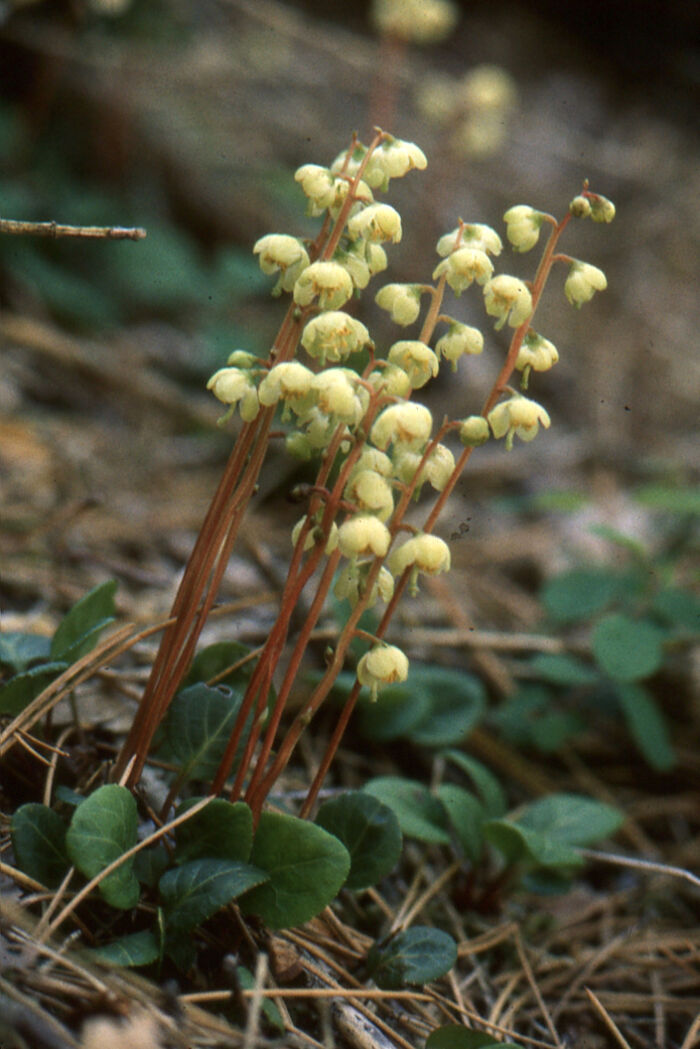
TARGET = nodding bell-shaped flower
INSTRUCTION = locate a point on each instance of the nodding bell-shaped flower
(523, 226)
(373, 459)
(537, 353)
(474, 431)
(508, 299)
(376, 258)
(402, 301)
(315, 535)
(417, 360)
(517, 416)
(375, 223)
(420, 21)
(460, 339)
(437, 469)
(470, 235)
(580, 207)
(318, 185)
(333, 336)
(328, 281)
(290, 382)
(583, 282)
(382, 665)
(234, 386)
(363, 534)
(362, 195)
(371, 493)
(421, 553)
(392, 380)
(402, 424)
(355, 262)
(280, 252)
(339, 394)
(351, 583)
(463, 267)
(394, 158)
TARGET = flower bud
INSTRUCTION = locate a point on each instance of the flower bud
(355, 263)
(299, 445)
(537, 353)
(328, 281)
(401, 300)
(583, 282)
(279, 252)
(408, 424)
(602, 209)
(373, 459)
(371, 492)
(318, 185)
(376, 222)
(382, 665)
(417, 360)
(439, 467)
(376, 258)
(580, 207)
(474, 431)
(508, 299)
(363, 534)
(460, 339)
(523, 226)
(351, 583)
(517, 416)
(242, 359)
(464, 266)
(333, 336)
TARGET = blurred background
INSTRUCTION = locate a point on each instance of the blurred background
(189, 117)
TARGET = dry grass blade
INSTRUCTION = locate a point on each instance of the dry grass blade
(608, 1020)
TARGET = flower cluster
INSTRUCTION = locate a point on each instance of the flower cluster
(376, 442)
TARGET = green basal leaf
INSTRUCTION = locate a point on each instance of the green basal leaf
(221, 830)
(673, 500)
(419, 813)
(21, 689)
(39, 843)
(103, 828)
(627, 649)
(306, 867)
(397, 710)
(646, 725)
(457, 704)
(579, 593)
(487, 786)
(78, 631)
(561, 669)
(150, 864)
(215, 660)
(136, 949)
(467, 817)
(197, 729)
(192, 893)
(370, 832)
(681, 608)
(414, 957)
(571, 818)
(18, 650)
(521, 845)
(455, 1036)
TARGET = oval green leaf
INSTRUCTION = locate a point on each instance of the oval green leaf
(197, 728)
(39, 843)
(18, 650)
(412, 958)
(627, 649)
(78, 631)
(487, 786)
(579, 593)
(138, 948)
(455, 1036)
(397, 710)
(467, 818)
(561, 669)
(102, 829)
(647, 725)
(457, 703)
(306, 867)
(522, 845)
(419, 813)
(571, 818)
(221, 831)
(191, 894)
(370, 832)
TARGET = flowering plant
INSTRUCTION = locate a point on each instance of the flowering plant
(375, 443)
